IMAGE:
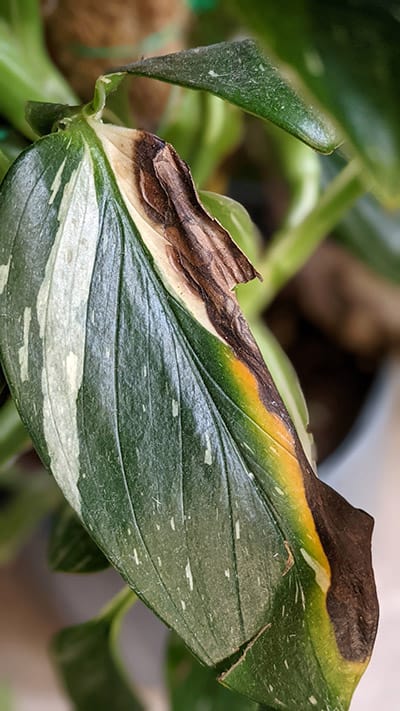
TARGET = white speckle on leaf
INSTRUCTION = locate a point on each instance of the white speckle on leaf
(4, 271)
(23, 353)
(71, 367)
(175, 408)
(208, 453)
(322, 578)
(129, 530)
(251, 476)
(159, 561)
(314, 62)
(61, 311)
(183, 603)
(56, 184)
(237, 529)
(188, 573)
(213, 74)
(279, 491)
(312, 700)
(286, 663)
(172, 523)
(227, 573)
(136, 557)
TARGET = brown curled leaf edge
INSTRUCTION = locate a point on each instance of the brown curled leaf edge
(147, 397)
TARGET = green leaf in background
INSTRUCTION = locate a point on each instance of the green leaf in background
(239, 72)
(26, 72)
(237, 221)
(193, 686)
(368, 230)
(6, 697)
(4, 164)
(14, 439)
(300, 168)
(346, 55)
(12, 144)
(203, 129)
(87, 661)
(71, 549)
(150, 402)
(29, 497)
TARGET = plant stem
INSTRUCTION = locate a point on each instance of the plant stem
(119, 605)
(291, 247)
(14, 438)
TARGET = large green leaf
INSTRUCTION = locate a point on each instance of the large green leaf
(88, 663)
(71, 550)
(239, 72)
(192, 685)
(148, 399)
(347, 56)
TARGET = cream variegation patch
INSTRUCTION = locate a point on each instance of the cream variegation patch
(118, 144)
(61, 311)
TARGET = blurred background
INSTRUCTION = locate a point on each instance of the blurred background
(337, 319)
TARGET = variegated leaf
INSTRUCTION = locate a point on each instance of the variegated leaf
(145, 394)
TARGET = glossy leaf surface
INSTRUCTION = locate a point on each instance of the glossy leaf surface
(347, 57)
(239, 72)
(71, 550)
(148, 399)
(88, 664)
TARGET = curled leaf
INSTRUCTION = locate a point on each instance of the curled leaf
(147, 397)
(241, 73)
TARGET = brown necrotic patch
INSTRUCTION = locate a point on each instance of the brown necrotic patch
(201, 250)
(211, 264)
